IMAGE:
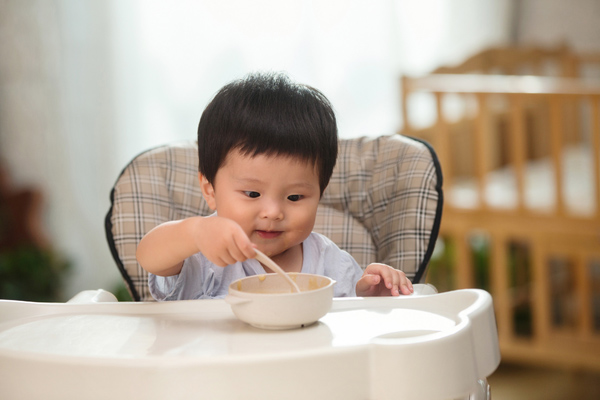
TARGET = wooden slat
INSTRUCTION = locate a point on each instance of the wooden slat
(465, 277)
(507, 84)
(500, 287)
(541, 286)
(481, 149)
(583, 293)
(572, 116)
(441, 141)
(405, 91)
(596, 151)
(556, 139)
(518, 146)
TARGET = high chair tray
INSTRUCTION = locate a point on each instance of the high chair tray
(411, 347)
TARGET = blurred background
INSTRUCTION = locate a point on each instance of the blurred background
(85, 85)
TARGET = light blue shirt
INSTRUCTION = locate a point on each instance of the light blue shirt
(201, 279)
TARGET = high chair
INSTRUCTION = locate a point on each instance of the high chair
(383, 203)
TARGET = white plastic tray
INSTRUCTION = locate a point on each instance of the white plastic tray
(411, 347)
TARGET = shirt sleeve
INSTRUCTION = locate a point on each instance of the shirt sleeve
(348, 273)
(163, 287)
(339, 265)
(192, 282)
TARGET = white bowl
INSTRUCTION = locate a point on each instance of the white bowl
(267, 301)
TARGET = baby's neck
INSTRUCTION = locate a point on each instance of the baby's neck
(290, 260)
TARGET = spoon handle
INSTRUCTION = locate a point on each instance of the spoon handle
(260, 256)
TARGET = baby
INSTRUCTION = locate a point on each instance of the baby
(267, 147)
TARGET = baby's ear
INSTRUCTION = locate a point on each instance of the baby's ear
(208, 191)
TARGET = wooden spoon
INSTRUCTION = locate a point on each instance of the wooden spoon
(261, 257)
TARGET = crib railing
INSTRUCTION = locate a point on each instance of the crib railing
(541, 266)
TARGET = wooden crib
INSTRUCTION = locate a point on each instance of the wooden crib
(521, 162)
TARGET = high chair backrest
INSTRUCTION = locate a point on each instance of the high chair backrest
(383, 203)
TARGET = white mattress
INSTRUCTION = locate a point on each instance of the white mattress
(540, 186)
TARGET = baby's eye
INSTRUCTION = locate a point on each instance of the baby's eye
(294, 197)
(251, 194)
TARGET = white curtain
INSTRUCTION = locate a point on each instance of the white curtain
(86, 85)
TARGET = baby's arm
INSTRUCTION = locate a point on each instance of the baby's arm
(383, 280)
(163, 250)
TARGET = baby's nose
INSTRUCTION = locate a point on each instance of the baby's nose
(272, 210)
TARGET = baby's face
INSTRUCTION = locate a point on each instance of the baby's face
(273, 198)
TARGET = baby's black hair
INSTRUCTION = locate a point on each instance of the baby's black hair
(267, 113)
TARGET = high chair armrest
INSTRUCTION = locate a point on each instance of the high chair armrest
(93, 296)
(423, 289)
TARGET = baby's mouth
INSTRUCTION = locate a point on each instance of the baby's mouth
(268, 234)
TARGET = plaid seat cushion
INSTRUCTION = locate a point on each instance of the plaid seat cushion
(383, 203)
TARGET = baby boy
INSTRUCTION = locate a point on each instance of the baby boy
(267, 148)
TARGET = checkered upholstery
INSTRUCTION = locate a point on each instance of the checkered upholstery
(383, 203)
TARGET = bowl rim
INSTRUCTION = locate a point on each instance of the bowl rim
(232, 291)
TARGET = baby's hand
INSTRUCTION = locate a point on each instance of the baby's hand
(223, 241)
(383, 280)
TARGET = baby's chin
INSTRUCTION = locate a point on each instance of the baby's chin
(274, 251)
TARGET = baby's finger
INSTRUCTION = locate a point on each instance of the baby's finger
(388, 275)
(394, 280)
(228, 257)
(367, 284)
(244, 246)
(220, 262)
(406, 287)
(395, 290)
(238, 249)
(405, 284)
(235, 254)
